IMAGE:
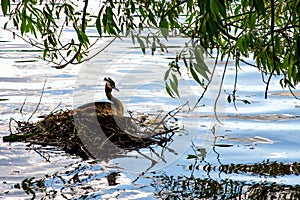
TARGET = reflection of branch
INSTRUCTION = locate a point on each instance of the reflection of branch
(44, 155)
(153, 162)
(214, 146)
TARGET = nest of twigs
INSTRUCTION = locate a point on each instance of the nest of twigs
(91, 135)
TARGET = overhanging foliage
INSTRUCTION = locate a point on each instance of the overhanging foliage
(266, 31)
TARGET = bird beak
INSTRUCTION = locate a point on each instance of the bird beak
(116, 89)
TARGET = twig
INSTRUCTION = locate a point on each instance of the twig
(268, 82)
(294, 95)
(44, 155)
(37, 107)
(10, 121)
(235, 84)
(54, 109)
(165, 132)
(273, 46)
(156, 154)
(83, 27)
(170, 114)
(220, 90)
(101, 50)
(209, 81)
(21, 109)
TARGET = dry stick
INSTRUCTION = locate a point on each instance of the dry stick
(169, 114)
(10, 121)
(21, 109)
(54, 109)
(37, 107)
(159, 156)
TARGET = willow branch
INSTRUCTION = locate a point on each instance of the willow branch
(273, 47)
(209, 81)
(83, 26)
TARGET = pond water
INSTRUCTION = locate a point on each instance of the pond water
(266, 130)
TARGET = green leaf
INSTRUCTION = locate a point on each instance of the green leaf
(132, 6)
(195, 76)
(142, 12)
(259, 6)
(52, 40)
(200, 66)
(23, 26)
(191, 157)
(174, 85)
(175, 80)
(153, 47)
(212, 27)
(252, 20)
(169, 90)
(167, 74)
(190, 5)
(142, 44)
(152, 18)
(82, 37)
(98, 25)
(229, 98)
(5, 5)
(164, 27)
(246, 101)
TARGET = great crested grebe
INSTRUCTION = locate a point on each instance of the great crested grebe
(115, 107)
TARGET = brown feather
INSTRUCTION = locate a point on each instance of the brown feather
(103, 108)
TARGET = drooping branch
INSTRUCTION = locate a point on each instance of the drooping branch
(83, 29)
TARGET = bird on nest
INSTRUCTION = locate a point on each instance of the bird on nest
(114, 107)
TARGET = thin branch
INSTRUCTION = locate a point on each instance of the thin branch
(101, 50)
(273, 47)
(268, 83)
(21, 109)
(220, 89)
(235, 83)
(294, 95)
(209, 81)
(37, 107)
(83, 26)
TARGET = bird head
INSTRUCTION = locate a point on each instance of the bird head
(110, 83)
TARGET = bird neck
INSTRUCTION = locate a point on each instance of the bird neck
(108, 91)
(116, 102)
